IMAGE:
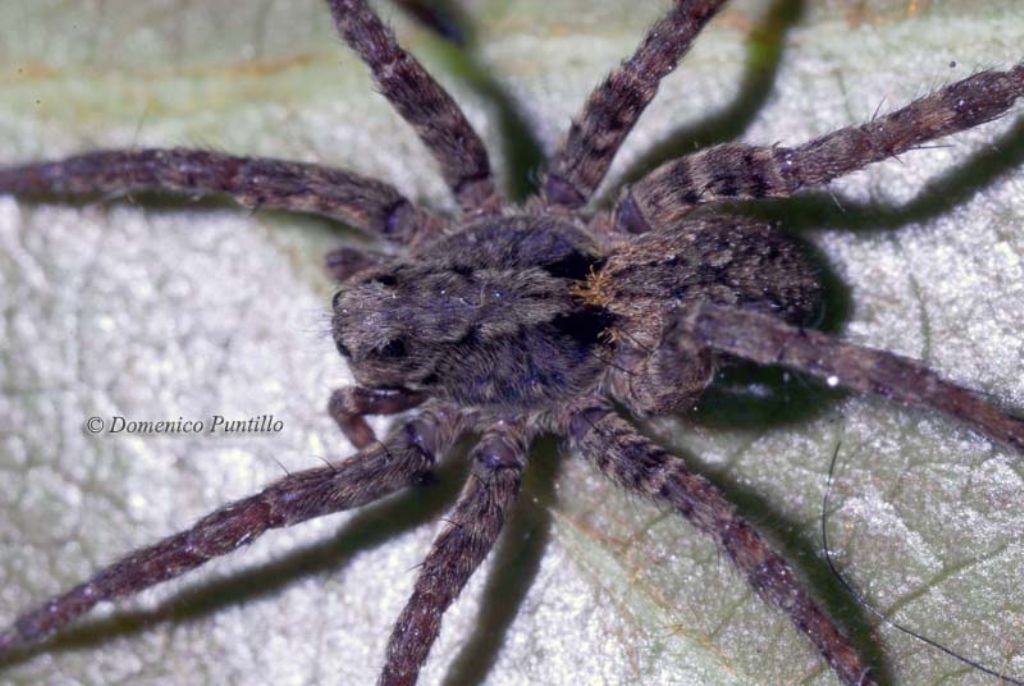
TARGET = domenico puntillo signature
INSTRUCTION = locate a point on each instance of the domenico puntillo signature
(213, 424)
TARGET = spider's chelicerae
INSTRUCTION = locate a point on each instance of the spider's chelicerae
(512, 321)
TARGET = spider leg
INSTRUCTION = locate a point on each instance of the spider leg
(472, 528)
(350, 404)
(767, 340)
(642, 466)
(615, 106)
(736, 171)
(423, 103)
(344, 263)
(366, 204)
(406, 454)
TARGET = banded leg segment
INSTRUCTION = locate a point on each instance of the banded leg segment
(472, 528)
(407, 453)
(767, 340)
(366, 204)
(643, 467)
(742, 172)
(614, 107)
(344, 263)
(422, 102)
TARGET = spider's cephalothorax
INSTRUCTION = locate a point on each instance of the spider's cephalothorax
(525, 312)
(484, 317)
(510, 321)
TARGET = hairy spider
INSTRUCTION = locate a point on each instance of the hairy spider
(520, 320)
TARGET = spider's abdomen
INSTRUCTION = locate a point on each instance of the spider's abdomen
(725, 259)
(487, 316)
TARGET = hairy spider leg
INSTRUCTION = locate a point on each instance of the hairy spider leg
(468, 536)
(767, 340)
(345, 262)
(423, 103)
(614, 107)
(366, 204)
(349, 405)
(641, 466)
(406, 454)
(742, 172)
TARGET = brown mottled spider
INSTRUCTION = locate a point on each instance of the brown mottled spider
(515, 321)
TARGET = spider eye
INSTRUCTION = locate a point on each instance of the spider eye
(343, 349)
(388, 280)
(393, 349)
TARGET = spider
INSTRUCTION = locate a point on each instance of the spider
(514, 321)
